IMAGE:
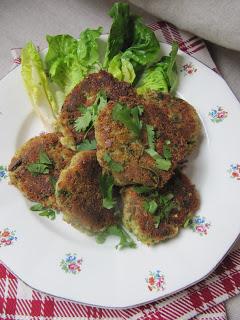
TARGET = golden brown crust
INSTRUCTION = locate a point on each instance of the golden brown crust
(143, 224)
(139, 167)
(85, 94)
(79, 197)
(182, 115)
(39, 188)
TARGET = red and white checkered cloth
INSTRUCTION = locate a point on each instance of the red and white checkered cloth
(203, 301)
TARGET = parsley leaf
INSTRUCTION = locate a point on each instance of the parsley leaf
(53, 182)
(82, 122)
(114, 166)
(106, 183)
(42, 211)
(166, 150)
(99, 104)
(160, 206)
(42, 166)
(116, 230)
(150, 206)
(128, 117)
(166, 203)
(37, 207)
(44, 159)
(38, 168)
(89, 114)
(162, 164)
(142, 189)
(188, 222)
(87, 145)
(150, 136)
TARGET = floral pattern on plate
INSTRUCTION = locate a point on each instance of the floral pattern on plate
(7, 237)
(234, 171)
(188, 69)
(155, 281)
(3, 172)
(200, 225)
(218, 114)
(71, 263)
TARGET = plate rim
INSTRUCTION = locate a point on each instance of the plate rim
(162, 296)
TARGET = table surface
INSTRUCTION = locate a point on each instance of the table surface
(21, 21)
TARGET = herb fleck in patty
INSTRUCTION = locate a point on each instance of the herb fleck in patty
(156, 215)
(36, 166)
(79, 196)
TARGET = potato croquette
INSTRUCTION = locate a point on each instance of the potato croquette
(84, 94)
(79, 197)
(117, 142)
(182, 115)
(156, 216)
(36, 186)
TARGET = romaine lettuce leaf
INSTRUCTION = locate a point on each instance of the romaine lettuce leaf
(122, 69)
(37, 86)
(69, 60)
(162, 76)
(145, 47)
(119, 33)
(131, 45)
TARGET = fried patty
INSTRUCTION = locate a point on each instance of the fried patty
(182, 115)
(39, 187)
(84, 94)
(79, 197)
(177, 202)
(117, 141)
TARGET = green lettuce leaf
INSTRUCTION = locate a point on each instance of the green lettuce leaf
(145, 47)
(122, 69)
(37, 85)
(69, 60)
(119, 34)
(162, 76)
(131, 45)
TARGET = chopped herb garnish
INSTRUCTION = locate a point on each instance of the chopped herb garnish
(37, 207)
(160, 206)
(106, 183)
(42, 166)
(44, 159)
(87, 145)
(150, 136)
(187, 222)
(114, 166)
(128, 117)
(166, 150)
(162, 164)
(89, 114)
(44, 212)
(82, 122)
(53, 181)
(125, 240)
(142, 189)
(167, 204)
(150, 206)
(38, 168)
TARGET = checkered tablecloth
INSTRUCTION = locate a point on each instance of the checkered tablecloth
(203, 301)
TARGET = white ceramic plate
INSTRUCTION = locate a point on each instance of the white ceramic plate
(53, 257)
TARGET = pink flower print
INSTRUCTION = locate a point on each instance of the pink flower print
(71, 264)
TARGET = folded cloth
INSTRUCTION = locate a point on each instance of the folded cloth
(203, 301)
